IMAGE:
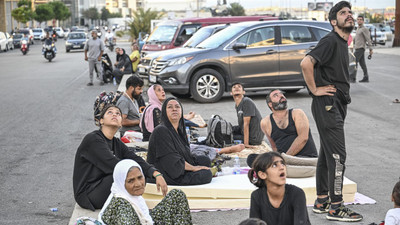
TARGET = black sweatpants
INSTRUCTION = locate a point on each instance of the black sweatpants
(329, 114)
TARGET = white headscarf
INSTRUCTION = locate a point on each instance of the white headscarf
(118, 190)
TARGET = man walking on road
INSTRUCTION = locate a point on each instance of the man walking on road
(95, 47)
(362, 38)
(326, 73)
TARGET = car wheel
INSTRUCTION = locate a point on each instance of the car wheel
(67, 50)
(181, 95)
(6, 48)
(207, 86)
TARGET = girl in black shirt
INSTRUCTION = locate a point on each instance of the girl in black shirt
(275, 202)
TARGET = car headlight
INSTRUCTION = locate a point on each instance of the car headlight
(180, 60)
(67, 43)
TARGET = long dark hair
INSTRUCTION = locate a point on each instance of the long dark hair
(261, 163)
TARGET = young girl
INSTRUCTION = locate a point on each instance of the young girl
(275, 202)
(393, 215)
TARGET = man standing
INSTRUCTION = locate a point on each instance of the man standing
(287, 130)
(95, 47)
(128, 103)
(248, 130)
(362, 38)
(325, 70)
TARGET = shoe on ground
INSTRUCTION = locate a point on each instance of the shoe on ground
(89, 84)
(352, 81)
(343, 214)
(101, 83)
(364, 81)
(321, 207)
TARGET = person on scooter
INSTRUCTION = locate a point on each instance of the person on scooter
(109, 37)
(48, 41)
(25, 38)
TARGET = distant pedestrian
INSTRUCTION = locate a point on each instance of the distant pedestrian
(393, 215)
(95, 47)
(325, 70)
(362, 38)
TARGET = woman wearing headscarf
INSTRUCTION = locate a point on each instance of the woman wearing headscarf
(125, 204)
(124, 66)
(169, 149)
(96, 158)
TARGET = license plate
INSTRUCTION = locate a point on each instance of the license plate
(141, 70)
(152, 79)
(76, 46)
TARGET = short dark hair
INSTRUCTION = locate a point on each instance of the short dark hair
(252, 221)
(268, 98)
(262, 163)
(336, 8)
(103, 112)
(234, 83)
(360, 16)
(396, 194)
(134, 81)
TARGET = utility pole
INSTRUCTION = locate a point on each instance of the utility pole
(396, 40)
(198, 8)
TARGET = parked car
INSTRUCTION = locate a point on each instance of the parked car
(10, 41)
(388, 32)
(38, 34)
(75, 40)
(261, 55)
(3, 42)
(60, 32)
(29, 33)
(202, 34)
(380, 36)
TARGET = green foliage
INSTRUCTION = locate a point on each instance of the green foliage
(105, 14)
(43, 12)
(142, 22)
(116, 15)
(236, 9)
(91, 13)
(61, 12)
(120, 33)
(24, 12)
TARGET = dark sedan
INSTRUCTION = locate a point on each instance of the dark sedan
(75, 40)
(17, 40)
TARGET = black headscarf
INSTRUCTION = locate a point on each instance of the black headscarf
(181, 135)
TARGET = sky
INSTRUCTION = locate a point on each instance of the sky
(372, 4)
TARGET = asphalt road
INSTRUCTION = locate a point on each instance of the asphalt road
(47, 109)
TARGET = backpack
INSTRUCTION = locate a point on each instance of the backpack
(102, 100)
(219, 132)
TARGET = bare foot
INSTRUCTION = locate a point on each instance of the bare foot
(190, 115)
(232, 149)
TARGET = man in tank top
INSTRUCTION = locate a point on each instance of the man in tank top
(287, 130)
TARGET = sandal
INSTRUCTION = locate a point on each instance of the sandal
(396, 100)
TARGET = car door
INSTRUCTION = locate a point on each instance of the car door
(257, 64)
(295, 41)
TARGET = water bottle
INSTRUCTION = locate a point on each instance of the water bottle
(236, 168)
(114, 82)
(188, 133)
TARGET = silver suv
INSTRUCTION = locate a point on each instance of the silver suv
(260, 55)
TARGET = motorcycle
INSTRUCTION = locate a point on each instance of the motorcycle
(110, 43)
(99, 34)
(49, 52)
(24, 47)
(54, 36)
(107, 68)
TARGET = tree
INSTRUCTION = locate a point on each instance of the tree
(61, 12)
(142, 22)
(43, 12)
(236, 9)
(91, 13)
(24, 12)
(116, 15)
(105, 14)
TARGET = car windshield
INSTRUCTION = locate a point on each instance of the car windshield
(76, 36)
(198, 37)
(24, 31)
(37, 30)
(17, 36)
(162, 34)
(219, 38)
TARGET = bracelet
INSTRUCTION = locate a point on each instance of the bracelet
(160, 174)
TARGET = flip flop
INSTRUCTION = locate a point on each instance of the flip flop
(396, 100)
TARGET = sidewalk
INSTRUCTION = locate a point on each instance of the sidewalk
(388, 51)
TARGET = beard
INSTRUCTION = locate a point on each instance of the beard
(279, 105)
(134, 95)
(346, 30)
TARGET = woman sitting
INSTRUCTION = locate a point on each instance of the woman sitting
(96, 158)
(125, 204)
(274, 201)
(169, 149)
(152, 117)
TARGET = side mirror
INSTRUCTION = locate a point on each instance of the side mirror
(238, 46)
(178, 41)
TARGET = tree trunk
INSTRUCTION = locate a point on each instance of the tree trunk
(396, 40)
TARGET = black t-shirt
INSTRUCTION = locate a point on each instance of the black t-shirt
(247, 108)
(95, 159)
(332, 65)
(292, 211)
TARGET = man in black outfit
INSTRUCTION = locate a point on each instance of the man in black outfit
(325, 70)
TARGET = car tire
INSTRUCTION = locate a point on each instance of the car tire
(6, 47)
(207, 86)
(188, 95)
(67, 50)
